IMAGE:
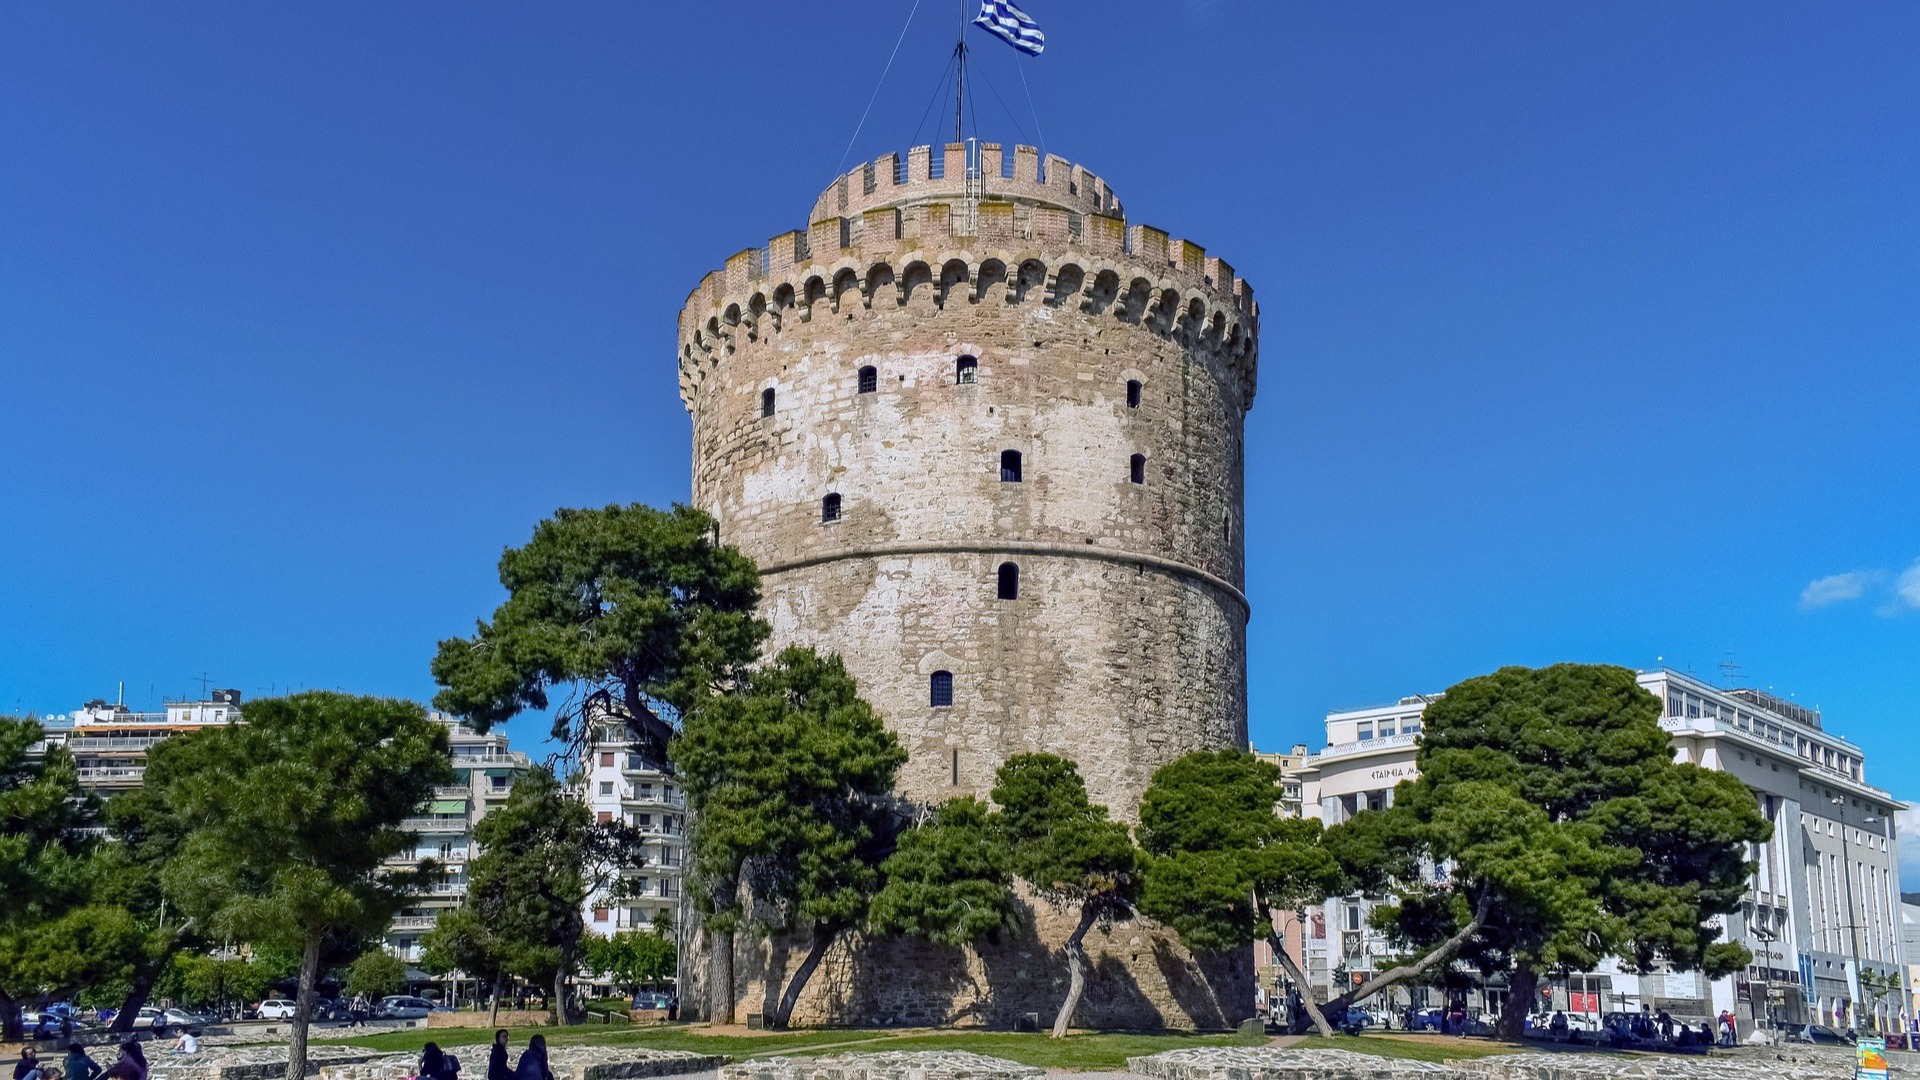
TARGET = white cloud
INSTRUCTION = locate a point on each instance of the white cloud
(1906, 588)
(1906, 824)
(1839, 588)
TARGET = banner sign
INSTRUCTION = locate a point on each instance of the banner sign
(1870, 1060)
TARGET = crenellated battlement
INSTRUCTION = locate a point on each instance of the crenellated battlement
(1025, 176)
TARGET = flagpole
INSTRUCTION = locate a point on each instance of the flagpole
(960, 86)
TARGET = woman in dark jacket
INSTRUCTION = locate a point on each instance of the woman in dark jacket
(497, 1066)
(533, 1062)
(437, 1065)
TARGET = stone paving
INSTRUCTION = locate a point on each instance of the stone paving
(250, 1062)
(1276, 1063)
(332, 1062)
(885, 1065)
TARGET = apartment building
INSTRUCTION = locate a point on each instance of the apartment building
(109, 742)
(622, 782)
(486, 768)
(1823, 904)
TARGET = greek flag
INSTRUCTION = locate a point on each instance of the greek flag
(1001, 19)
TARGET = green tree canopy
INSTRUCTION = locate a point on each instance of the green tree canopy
(1221, 861)
(53, 937)
(790, 784)
(1553, 792)
(542, 856)
(640, 608)
(376, 973)
(1069, 852)
(630, 956)
(949, 879)
(291, 819)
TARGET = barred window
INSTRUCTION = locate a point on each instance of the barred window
(966, 371)
(869, 379)
(940, 688)
(830, 508)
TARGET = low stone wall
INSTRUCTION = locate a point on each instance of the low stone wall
(509, 1018)
(889, 1065)
(253, 1062)
(625, 1062)
(1274, 1063)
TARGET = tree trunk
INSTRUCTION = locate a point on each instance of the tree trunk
(560, 995)
(1314, 1015)
(9, 1019)
(822, 938)
(303, 1009)
(493, 1013)
(1523, 985)
(1076, 972)
(719, 978)
(1444, 951)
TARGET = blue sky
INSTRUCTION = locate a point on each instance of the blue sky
(1590, 332)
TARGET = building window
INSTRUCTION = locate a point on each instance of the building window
(606, 787)
(1364, 730)
(869, 379)
(966, 371)
(830, 508)
(941, 688)
(1009, 581)
(1133, 393)
(1009, 466)
(766, 402)
(499, 783)
(599, 914)
(1137, 469)
(605, 817)
(606, 759)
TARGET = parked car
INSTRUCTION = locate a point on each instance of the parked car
(184, 1018)
(652, 999)
(1424, 1019)
(278, 1009)
(1820, 1033)
(403, 1007)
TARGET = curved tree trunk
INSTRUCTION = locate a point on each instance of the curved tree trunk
(303, 1010)
(1076, 972)
(493, 1013)
(719, 978)
(822, 938)
(1403, 972)
(1523, 986)
(1314, 1015)
(9, 1019)
(560, 995)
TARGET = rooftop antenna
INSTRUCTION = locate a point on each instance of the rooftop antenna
(1730, 670)
(204, 680)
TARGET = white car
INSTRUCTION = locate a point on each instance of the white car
(278, 1009)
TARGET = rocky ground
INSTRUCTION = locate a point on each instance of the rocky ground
(884, 1065)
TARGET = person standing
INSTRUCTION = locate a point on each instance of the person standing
(497, 1067)
(78, 1065)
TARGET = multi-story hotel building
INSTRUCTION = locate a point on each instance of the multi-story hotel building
(1823, 904)
(622, 782)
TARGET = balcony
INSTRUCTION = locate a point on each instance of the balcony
(112, 775)
(438, 823)
(415, 922)
(457, 791)
(1364, 746)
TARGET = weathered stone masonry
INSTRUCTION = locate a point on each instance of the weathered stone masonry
(1125, 646)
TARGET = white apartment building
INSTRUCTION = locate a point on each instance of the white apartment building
(620, 782)
(1823, 903)
(486, 769)
(109, 742)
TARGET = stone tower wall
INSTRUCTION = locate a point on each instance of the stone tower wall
(1126, 645)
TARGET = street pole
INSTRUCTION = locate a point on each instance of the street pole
(1853, 927)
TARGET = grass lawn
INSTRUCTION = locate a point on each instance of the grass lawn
(1099, 1050)
(1434, 1048)
(657, 1037)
